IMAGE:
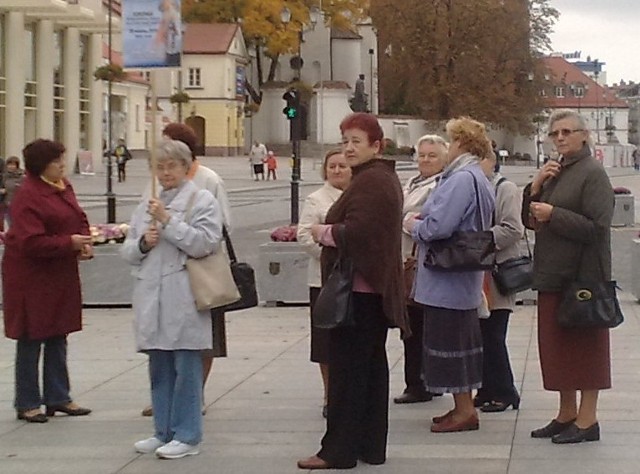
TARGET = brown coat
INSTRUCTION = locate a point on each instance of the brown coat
(371, 211)
(576, 243)
(40, 281)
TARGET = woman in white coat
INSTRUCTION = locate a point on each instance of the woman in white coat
(336, 174)
(498, 390)
(432, 157)
(182, 222)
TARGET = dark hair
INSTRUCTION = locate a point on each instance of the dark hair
(367, 123)
(183, 133)
(13, 159)
(39, 153)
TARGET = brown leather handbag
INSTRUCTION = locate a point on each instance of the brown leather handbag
(410, 269)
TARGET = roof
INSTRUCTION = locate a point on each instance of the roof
(208, 38)
(341, 33)
(565, 73)
(116, 58)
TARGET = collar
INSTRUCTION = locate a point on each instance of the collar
(568, 160)
(372, 163)
(59, 185)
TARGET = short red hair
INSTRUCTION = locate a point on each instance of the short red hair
(367, 123)
(183, 133)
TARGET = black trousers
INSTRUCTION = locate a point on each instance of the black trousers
(413, 348)
(497, 376)
(122, 172)
(358, 411)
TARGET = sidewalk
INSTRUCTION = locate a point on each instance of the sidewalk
(264, 404)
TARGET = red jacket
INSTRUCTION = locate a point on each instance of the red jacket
(40, 280)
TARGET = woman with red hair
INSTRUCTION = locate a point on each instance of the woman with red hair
(370, 213)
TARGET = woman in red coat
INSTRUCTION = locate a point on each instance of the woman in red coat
(40, 282)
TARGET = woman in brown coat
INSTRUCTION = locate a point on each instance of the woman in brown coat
(570, 206)
(370, 212)
(41, 287)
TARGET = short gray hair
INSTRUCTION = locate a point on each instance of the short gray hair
(174, 150)
(562, 114)
(433, 140)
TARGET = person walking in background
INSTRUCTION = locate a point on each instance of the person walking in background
(432, 157)
(570, 206)
(122, 155)
(498, 390)
(42, 300)
(257, 156)
(183, 222)
(204, 178)
(369, 212)
(12, 179)
(336, 175)
(462, 201)
(272, 166)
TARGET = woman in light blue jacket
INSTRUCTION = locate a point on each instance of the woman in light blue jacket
(184, 221)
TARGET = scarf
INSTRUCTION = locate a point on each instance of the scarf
(460, 162)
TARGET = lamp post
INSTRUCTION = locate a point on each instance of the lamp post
(296, 122)
(371, 52)
(596, 73)
(111, 197)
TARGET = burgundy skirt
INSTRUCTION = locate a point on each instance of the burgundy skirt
(571, 359)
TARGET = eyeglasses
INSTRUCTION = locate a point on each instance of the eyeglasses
(565, 132)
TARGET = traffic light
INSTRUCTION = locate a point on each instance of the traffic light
(292, 97)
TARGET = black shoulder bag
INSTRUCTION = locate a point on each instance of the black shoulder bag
(590, 304)
(465, 250)
(334, 306)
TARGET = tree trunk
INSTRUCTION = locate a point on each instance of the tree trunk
(273, 68)
(259, 65)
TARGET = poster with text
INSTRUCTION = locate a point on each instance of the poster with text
(151, 34)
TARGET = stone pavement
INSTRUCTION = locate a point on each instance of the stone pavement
(264, 404)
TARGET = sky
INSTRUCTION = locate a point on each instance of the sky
(607, 30)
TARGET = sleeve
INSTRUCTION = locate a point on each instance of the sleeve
(130, 250)
(309, 216)
(508, 229)
(597, 203)
(200, 236)
(527, 199)
(215, 185)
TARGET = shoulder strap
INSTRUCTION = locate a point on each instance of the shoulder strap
(479, 214)
(225, 234)
(500, 181)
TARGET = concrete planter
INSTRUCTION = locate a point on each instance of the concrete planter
(635, 268)
(282, 273)
(624, 211)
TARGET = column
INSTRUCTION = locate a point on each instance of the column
(44, 76)
(96, 109)
(15, 81)
(71, 79)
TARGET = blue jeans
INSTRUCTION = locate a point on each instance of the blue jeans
(176, 395)
(55, 375)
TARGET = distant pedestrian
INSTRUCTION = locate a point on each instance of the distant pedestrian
(636, 159)
(257, 155)
(272, 166)
(122, 155)
(12, 179)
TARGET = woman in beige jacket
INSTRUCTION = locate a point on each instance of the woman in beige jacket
(432, 154)
(336, 174)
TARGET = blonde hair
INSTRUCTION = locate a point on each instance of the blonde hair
(325, 162)
(470, 134)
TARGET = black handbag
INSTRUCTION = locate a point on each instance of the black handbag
(244, 277)
(334, 306)
(515, 274)
(464, 250)
(590, 304)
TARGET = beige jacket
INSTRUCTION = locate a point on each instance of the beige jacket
(314, 211)
(415, 195)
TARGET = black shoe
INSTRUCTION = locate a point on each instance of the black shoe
(496, 406)
(36, 418)
(552, 429)
(410, 397)
(69, 410)
(573, 434)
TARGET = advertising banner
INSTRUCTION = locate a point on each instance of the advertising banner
(151, 34)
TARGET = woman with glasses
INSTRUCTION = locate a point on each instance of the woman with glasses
(569, 204)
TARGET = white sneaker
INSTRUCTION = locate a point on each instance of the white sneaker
(147, 446)
(176, 450)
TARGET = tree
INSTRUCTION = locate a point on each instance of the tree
(263, 28)
(463, 57)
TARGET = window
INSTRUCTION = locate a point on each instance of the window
(146, 75)
(194, 77)
(578, 90)
(559, 92)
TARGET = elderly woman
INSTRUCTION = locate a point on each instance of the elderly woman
(183, 222)
(336, 174)
(498, 391)
(463, 201)
(432, 156)
(369, 211)
(40, 281)
(570, 206)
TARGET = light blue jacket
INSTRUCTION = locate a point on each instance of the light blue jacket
(452, 207)
(166, 317)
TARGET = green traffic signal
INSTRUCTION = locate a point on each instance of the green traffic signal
(291, 112)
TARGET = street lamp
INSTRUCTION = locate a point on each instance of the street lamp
(111, 197)
(596, 73)
(296, 121)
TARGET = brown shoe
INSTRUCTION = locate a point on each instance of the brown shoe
(71, 409)
(314, 462)
(148, 411)
(451, 425)
(441, 418)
